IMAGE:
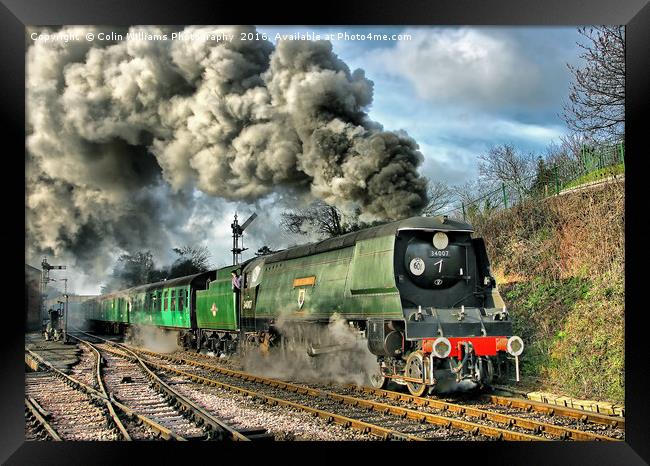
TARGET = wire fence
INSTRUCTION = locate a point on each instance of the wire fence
(593, 164)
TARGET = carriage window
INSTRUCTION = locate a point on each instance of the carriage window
(173, 304)
(166, 304)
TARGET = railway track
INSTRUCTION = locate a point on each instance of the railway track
(377, 413)
(376, 430)
(132, 383)
(64, 407)
(73, 401)
(555, 410)
(521, 416)
(427, 425)
(510, 412)
(581, 420)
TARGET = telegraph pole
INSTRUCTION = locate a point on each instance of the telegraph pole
(65, 311)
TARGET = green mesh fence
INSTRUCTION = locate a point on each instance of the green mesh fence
(593, 164)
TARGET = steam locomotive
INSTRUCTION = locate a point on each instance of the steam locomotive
(419, 291)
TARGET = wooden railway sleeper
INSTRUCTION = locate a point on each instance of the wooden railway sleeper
(249, 377)
(463, 425)
(535, 426)
(327, 416)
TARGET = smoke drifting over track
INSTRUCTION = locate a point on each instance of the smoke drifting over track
(351, 362)
(152, 339)
(120, 133)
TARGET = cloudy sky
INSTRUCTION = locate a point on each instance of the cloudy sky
(454, 90)
(458, 90)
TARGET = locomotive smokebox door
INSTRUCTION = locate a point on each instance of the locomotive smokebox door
(435, 264)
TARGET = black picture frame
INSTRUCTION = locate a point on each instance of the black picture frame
(16, 14)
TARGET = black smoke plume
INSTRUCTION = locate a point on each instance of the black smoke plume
(120, 134)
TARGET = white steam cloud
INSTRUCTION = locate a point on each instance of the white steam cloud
(351, 362)
(152, 338)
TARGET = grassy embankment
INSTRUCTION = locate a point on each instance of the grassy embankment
(597, 175)
(560, 266)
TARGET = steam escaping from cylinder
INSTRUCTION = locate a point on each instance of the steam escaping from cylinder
(122, 133)
(345, 358)
(152, 338)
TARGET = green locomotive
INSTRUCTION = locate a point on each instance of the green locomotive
(419, 290)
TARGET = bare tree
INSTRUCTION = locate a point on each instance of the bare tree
(473, 199)
(597, 95)
(318, 218)
(573, 143)
(264, 250)
(132, 270)
(191, 260)
(440, 196)
(503, 164)
(560, 154)
(468, 192)
(321, 219)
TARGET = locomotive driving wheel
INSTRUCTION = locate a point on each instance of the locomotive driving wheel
(415, 369)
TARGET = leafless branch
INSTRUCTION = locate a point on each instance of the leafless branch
(597, 94)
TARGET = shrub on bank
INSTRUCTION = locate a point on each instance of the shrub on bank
(560, 263)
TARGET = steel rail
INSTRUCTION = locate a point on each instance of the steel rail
(549, 409)
(41, 417)
(102, 388)
(93, 393)
(527, 405)
(376, 406)
(509, 420)
(356, 424)
(199, 415)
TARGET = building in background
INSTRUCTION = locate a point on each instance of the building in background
(32, 299)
